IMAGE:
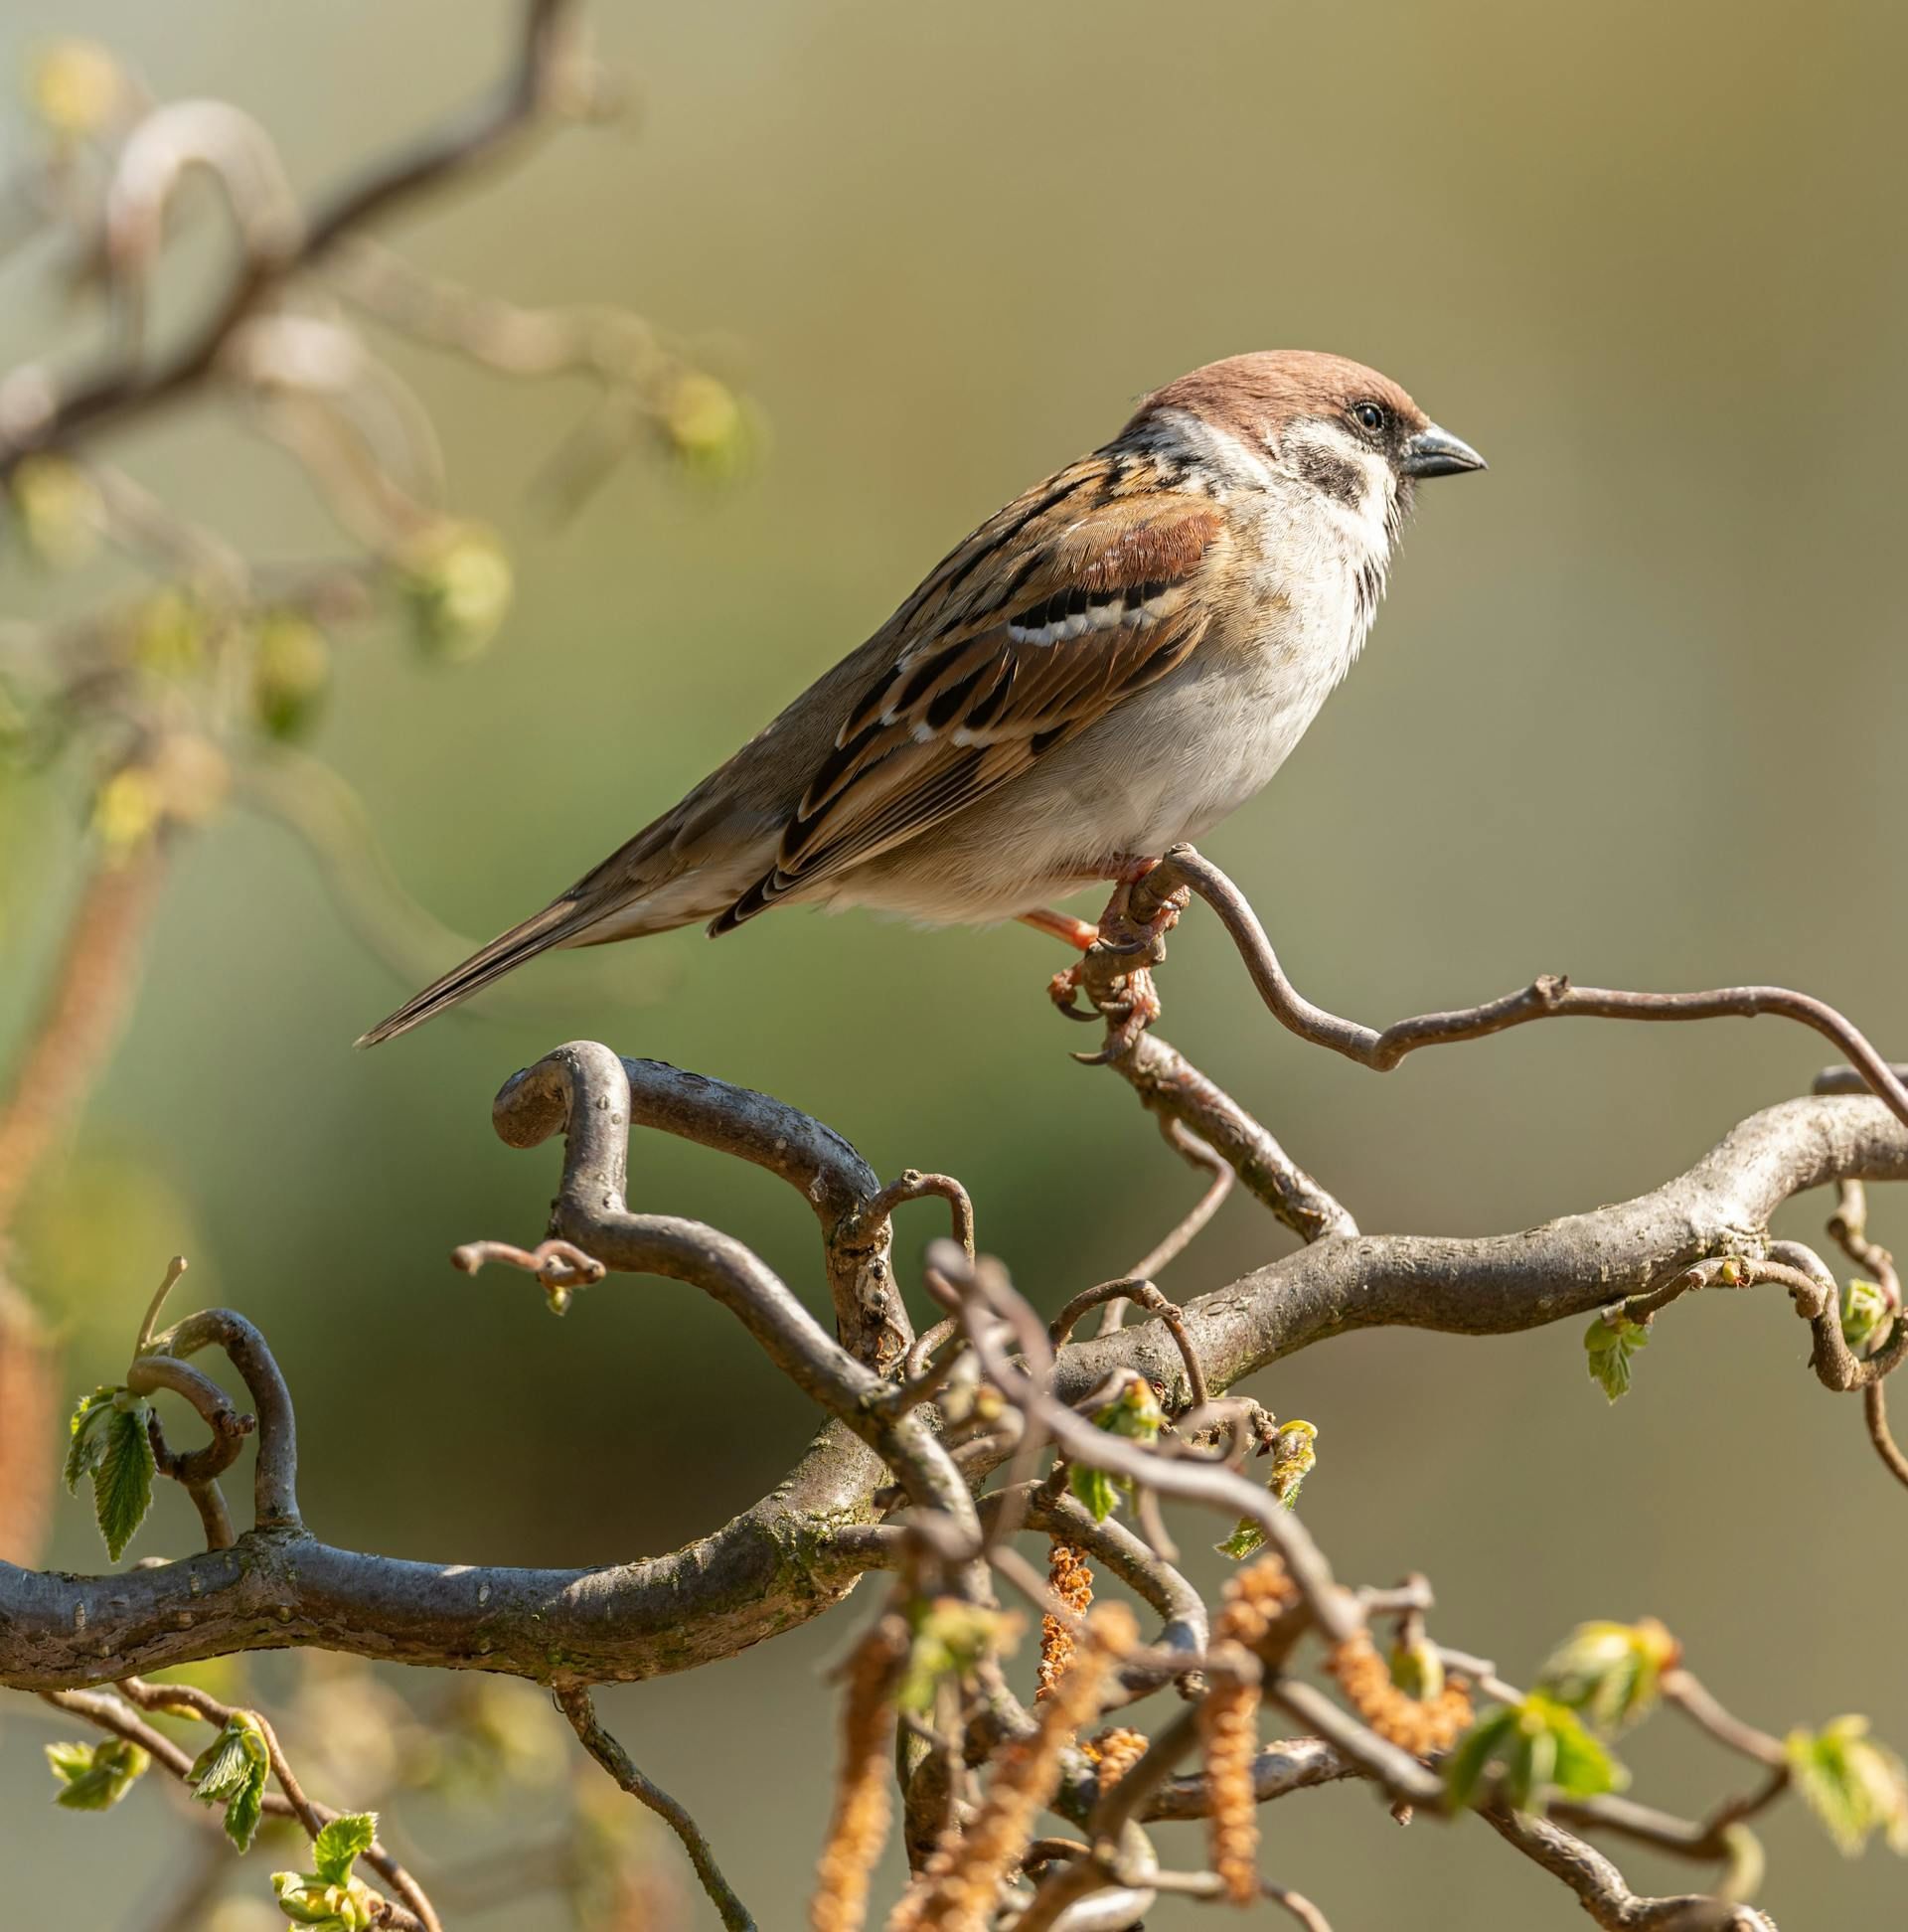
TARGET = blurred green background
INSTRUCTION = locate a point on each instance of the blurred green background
(1634, 711)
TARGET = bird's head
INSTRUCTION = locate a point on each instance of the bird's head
(1320, 421)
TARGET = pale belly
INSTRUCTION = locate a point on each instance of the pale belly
(1168, 765)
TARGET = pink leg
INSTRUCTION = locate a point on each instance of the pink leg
(1078, 933)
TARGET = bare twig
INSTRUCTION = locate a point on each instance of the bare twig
(1196, 1153)
(1874, 1408)
(1146, 1295)
(575, 1704)
(1175, 1089)
(1548, 998)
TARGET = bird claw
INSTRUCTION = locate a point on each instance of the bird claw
(1064, 989)
(1127, 1021)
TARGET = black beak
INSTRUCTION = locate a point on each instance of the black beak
(1436, 452)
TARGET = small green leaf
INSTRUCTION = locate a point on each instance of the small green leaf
(1865, 1313)
(290, 672)
(70, 1761)
(1582, 1767)
(1294, 1457)
(94, 1777)
(1246, 1541)
(1530, 1760)
(1610, 1341)
(87, 1443)
(122, 1478)
(1610, 1671)
(950, 1638)
(1464, 1769)
(1135, 1412)
(341, 1844)
(1095, 1488)
(456, 579)
(235, 1767)
(242, 1814)
(1418, 1671)
(1853, 1785)
(221, 1767)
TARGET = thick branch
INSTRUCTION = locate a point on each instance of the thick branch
(1603, 1891)
(1499, 1284)
(776, 1566)
(769, 1568)
(605, 1097)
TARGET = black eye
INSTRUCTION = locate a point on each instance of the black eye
(1370, 416)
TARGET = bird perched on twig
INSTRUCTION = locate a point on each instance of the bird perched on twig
(1107, 666)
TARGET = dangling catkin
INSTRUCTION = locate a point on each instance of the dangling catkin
(861, 1805)
(958, 1889)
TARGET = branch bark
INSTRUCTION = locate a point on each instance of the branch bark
(782, 1561)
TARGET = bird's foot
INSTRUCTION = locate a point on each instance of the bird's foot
(1114, 972)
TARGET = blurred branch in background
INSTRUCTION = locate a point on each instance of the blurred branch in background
(185, 699)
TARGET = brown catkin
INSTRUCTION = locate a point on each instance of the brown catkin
(959, 1886)
(1070, 1578)
(1417, 1727)
(1229, 1737)
(1257, 1597)
(861, 1806)
(1113, 1753)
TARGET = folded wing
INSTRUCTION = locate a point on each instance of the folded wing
(1044, 621)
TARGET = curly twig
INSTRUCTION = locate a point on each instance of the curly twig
(1549, 997)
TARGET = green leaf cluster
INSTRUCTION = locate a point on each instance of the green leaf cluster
(234, 1770)
(1853, 1785)
(1610, 1341)
(108, 1443)
(1610, 1671)
(328, 1896)
(94, 1777)
(1525, 1753)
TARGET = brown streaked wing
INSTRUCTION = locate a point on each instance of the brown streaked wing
(1090, 591)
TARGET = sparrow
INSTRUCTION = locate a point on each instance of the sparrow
(1107, 666)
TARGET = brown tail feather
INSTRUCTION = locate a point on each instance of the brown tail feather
(557, 922)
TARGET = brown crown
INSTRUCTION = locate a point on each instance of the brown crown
(1256, 395)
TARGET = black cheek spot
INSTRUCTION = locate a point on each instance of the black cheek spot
(1335, 476)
